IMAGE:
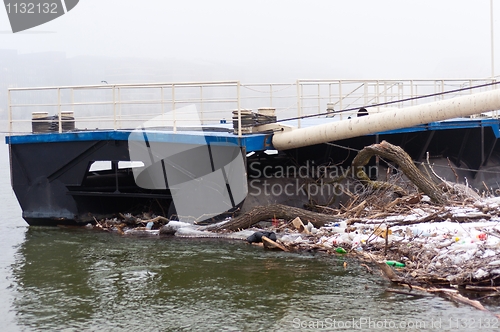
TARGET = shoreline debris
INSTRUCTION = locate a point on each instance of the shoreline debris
(443, 243)
(443, 250)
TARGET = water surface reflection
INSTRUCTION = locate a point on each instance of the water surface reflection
(86, 280)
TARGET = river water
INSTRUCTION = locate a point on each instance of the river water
(55, 279)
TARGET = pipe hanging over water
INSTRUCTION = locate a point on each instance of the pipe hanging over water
(390, 120)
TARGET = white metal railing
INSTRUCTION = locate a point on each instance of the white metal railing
(123, 106)
(380, 95)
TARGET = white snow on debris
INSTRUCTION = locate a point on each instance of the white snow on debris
(183, 229)
(193, 232)
(446, 242)
(174, 225)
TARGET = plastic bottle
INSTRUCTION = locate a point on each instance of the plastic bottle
(340, 250)
(341, 224)
(337, 230)
(482, 236)
(420, 232)
(395, 264)
(356, 241)
(345, 238)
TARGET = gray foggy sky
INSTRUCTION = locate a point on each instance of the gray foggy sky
(295, 39)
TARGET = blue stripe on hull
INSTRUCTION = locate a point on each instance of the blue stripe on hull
(252, 142)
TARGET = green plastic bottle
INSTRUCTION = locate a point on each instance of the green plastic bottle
(395, 264)
(340, 250)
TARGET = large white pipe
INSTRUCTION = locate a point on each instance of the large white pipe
(390, 120)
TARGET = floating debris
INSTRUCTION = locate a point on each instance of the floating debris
(257, 237)
(438, 244)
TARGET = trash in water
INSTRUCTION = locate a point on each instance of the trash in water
(257, 237)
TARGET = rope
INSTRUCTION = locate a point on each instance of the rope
(342, 147)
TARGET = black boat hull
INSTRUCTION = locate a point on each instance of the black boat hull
(55, 185)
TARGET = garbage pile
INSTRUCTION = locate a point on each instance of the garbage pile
(461, 246)
(451, 245)
(446, 252)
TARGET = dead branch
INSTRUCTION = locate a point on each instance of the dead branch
(279, 211)
(399, 156)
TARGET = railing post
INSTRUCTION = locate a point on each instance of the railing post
(330, 92)
(411, 93)
(341, 98)
(73, 101)
(162, 104)
(299, 104)
(401, 91)
(59, 109)
(238, 91)
(365, 88)
(10, 111)
(270, 95)
(173, 108)
(119, 126)
(386, 92)
(493, 87)
(201, 105)
(114, 109)
(319, 98)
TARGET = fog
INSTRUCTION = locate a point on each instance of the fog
(124, 41)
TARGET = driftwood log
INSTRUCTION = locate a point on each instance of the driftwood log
(398, 155)
(274, 211)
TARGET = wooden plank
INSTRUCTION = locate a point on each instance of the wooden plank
(270, 244)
